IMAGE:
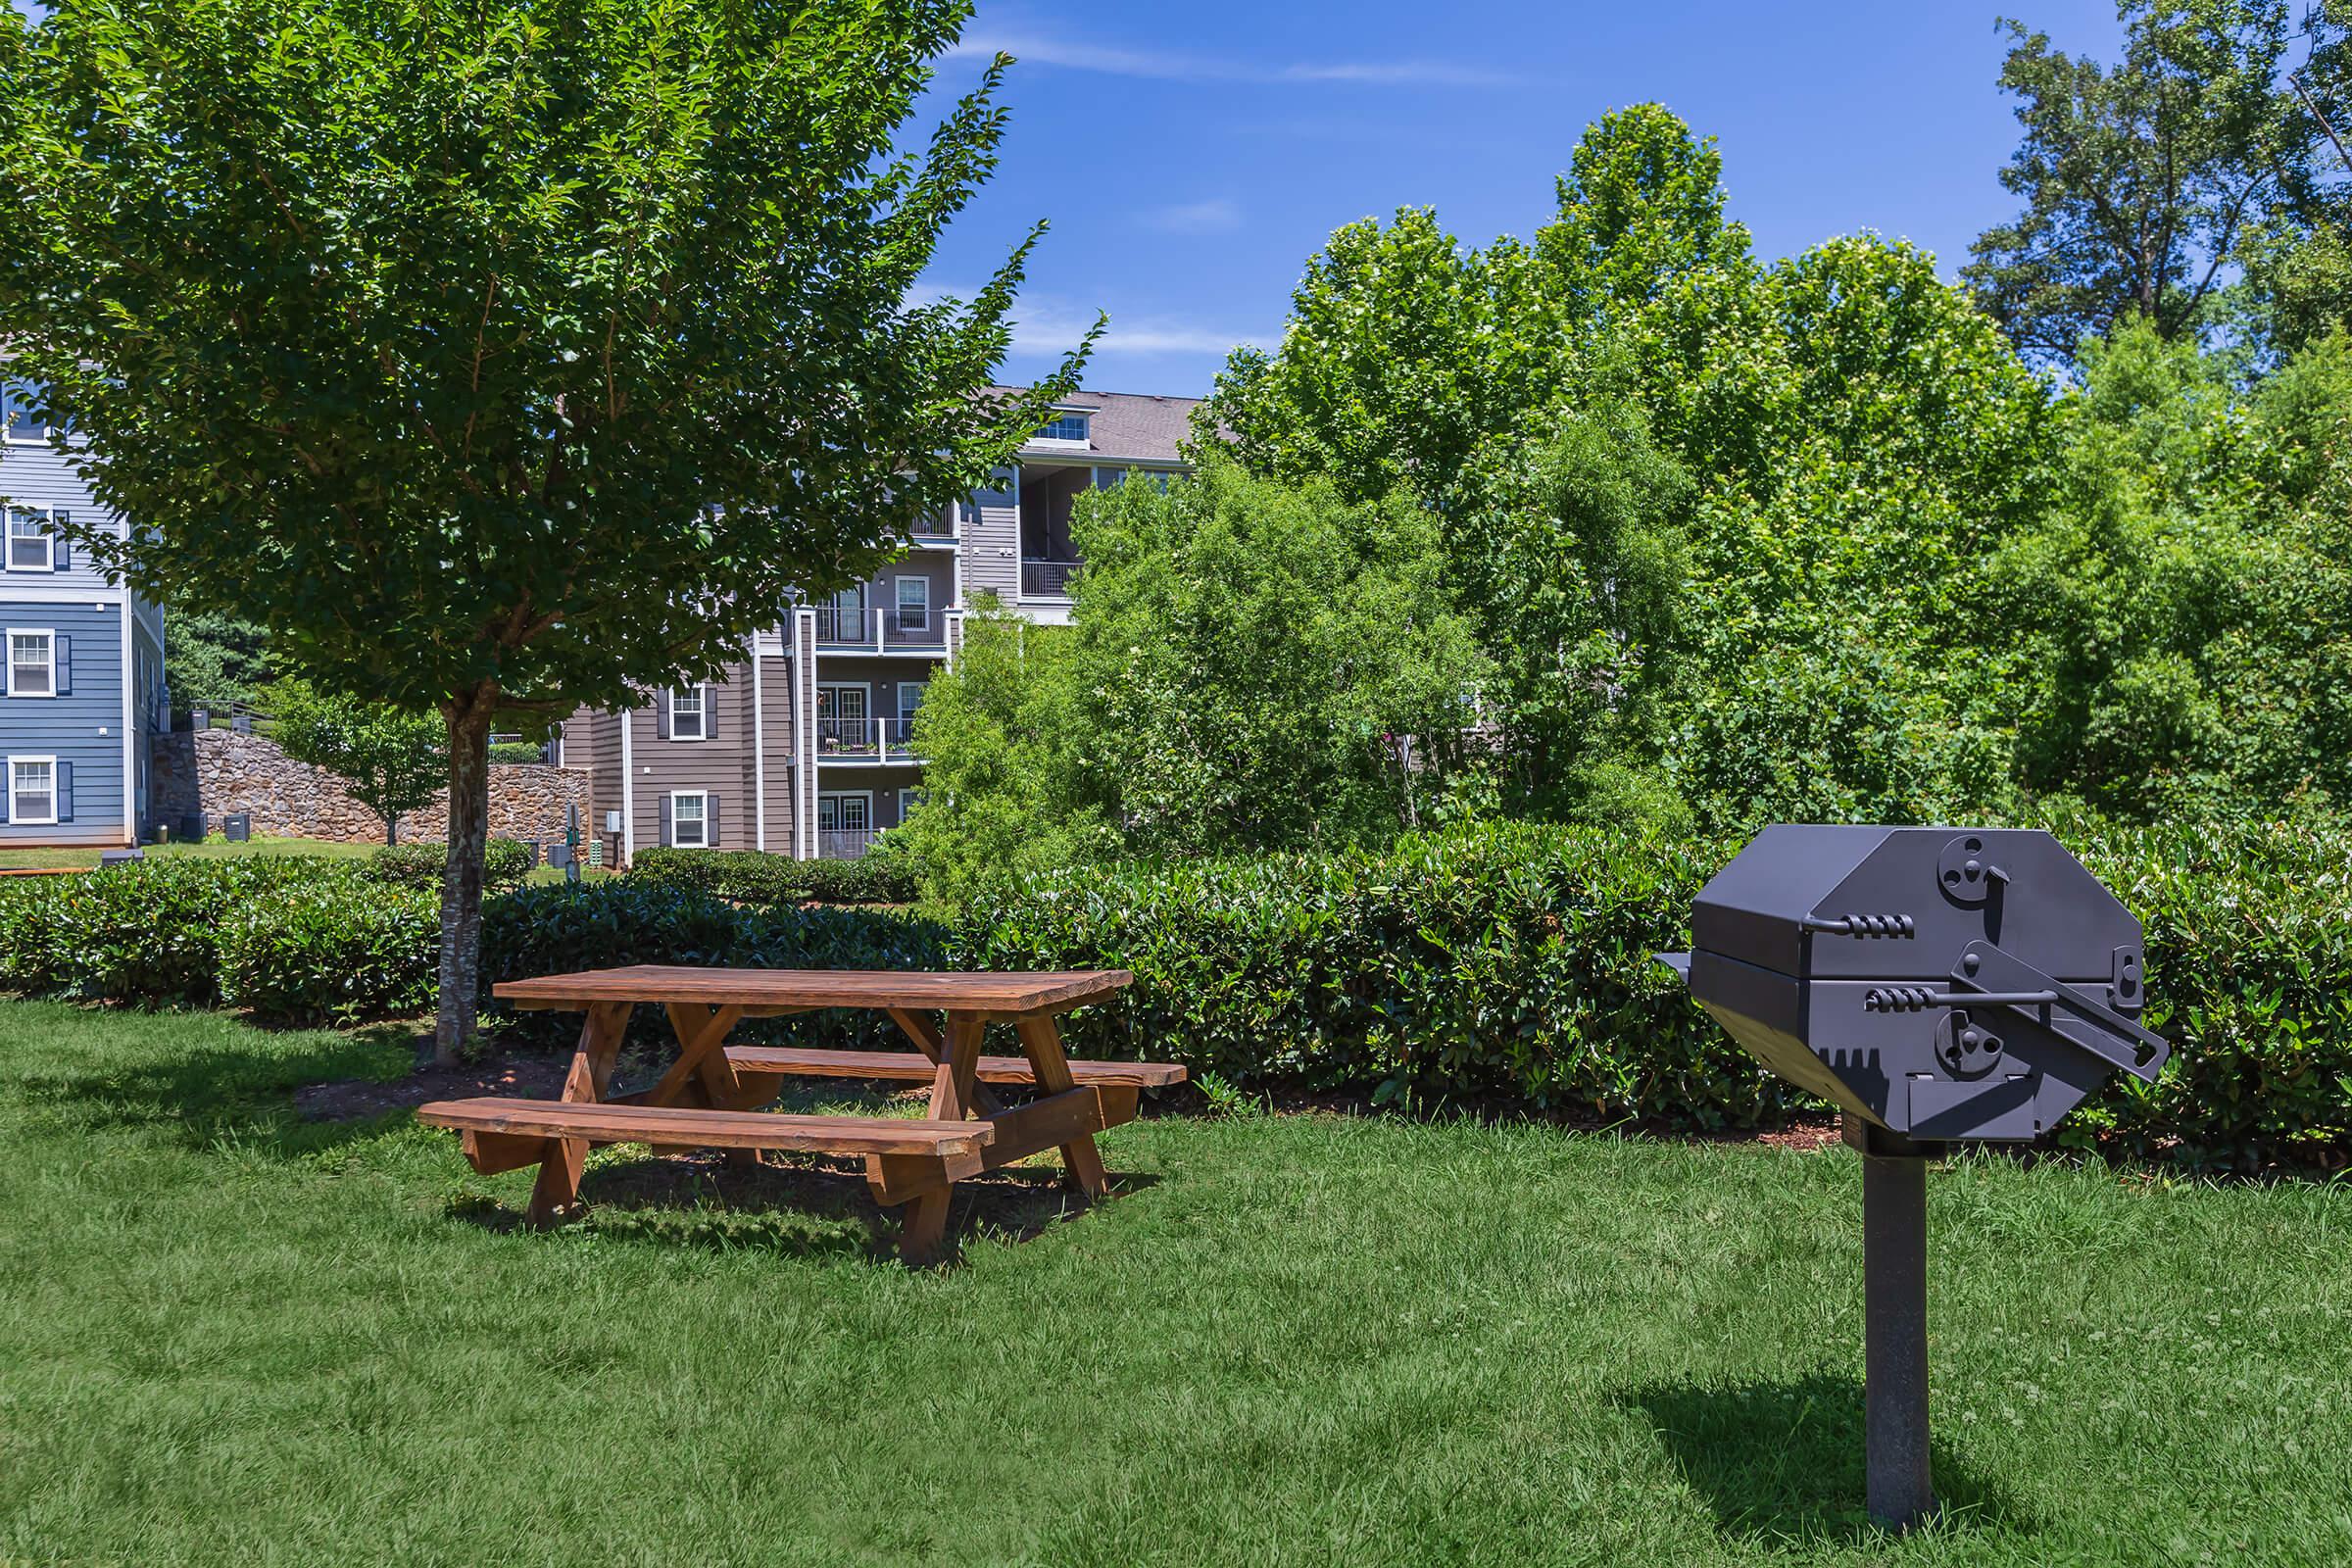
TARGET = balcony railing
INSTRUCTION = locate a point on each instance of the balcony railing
(1047, 579)
(859, 740)
(881, 628)
(940, 524)
(843, 843)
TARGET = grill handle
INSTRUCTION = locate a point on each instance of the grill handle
(2138, 1052)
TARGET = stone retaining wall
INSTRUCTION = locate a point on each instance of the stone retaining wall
(220, 773)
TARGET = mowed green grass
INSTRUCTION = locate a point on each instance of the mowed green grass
(229, 1335)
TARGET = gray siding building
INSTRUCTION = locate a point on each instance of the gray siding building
(805, 748)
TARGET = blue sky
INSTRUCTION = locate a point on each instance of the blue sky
(1191, 156)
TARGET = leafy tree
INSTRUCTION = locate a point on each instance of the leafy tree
(1269, 665)
(1007, 786)
(504, 356)
(2140, 181)
(1406, 352)
(213, 660)
(391, 762)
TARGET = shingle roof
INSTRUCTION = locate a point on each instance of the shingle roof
(1133, 425)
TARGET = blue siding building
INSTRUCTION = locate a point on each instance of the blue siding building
(84, 674)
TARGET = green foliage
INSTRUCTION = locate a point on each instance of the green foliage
(1261, 666)
(2141, 181)
(391, 762)
(750, 876)
(1008, 785)
(214, 660)
(147, 933)
(420, 866)
(559, 300)
(330, 950)
(1498, 966)
(516, 752)
(559, 928)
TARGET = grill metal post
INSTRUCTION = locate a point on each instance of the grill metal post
(1899, 1488)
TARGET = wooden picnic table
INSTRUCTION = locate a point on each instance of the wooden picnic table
(708, 1096)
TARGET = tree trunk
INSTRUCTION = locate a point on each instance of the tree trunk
(468, 717)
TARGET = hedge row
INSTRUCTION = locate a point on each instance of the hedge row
(746, 876)
(1496, 966)
(504, 863)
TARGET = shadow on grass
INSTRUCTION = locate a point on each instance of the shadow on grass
(1781, 1464)
(807, 1208)
(237, 1093)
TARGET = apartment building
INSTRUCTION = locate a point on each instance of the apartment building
(85, 659)
(806, 746)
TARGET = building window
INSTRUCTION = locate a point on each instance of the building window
(23, 424)
(31, 663)
(31, 545)
(1064, 427)
(914, 604)
(690, 821)
(690, 713)
(32, 789)
(908, 800)
(911, 698)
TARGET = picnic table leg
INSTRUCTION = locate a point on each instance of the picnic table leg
(702, 1065)
(952, 1093)
(1080, 1160)
(557, 1188)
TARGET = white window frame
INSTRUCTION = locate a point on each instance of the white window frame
(48, 517)
(905, 712)
(18, 818)
(907, 794)
(47, 634)
(701, 820)
(864, 798)
(921, 604)
(701, 711)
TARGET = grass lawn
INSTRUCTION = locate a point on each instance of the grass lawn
(232, 1336)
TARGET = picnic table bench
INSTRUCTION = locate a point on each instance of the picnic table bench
(708, 1099)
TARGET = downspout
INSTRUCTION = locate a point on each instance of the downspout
(628, 793)
(759, 755)
(130, 810)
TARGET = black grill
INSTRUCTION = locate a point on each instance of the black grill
(1940, 984)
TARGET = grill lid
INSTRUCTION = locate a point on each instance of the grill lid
(1902, 902)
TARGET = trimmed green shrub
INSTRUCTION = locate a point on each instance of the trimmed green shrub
(749, 876)
(148, 932)
(336, 949)
(517, 751)
(1506, 962)
(559, 928)
(504, 863)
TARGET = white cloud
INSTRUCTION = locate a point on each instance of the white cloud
(1043, 325)
(1215, 215)
(1165, 65)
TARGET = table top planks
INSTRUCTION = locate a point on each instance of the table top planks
(986, 992)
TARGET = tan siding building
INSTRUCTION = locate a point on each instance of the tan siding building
(805, 748)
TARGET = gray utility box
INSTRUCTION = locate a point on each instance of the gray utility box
(1939, 983)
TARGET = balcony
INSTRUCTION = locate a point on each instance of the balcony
(1047, 579)
(936, 526)
(865, 740)
(843, 843)
(881, 628)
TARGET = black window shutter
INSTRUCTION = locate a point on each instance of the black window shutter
(56, 540)
(665, 819)
(661, 729)
(711, 819)
(64, 792)
(710, 711)
(61, 651)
